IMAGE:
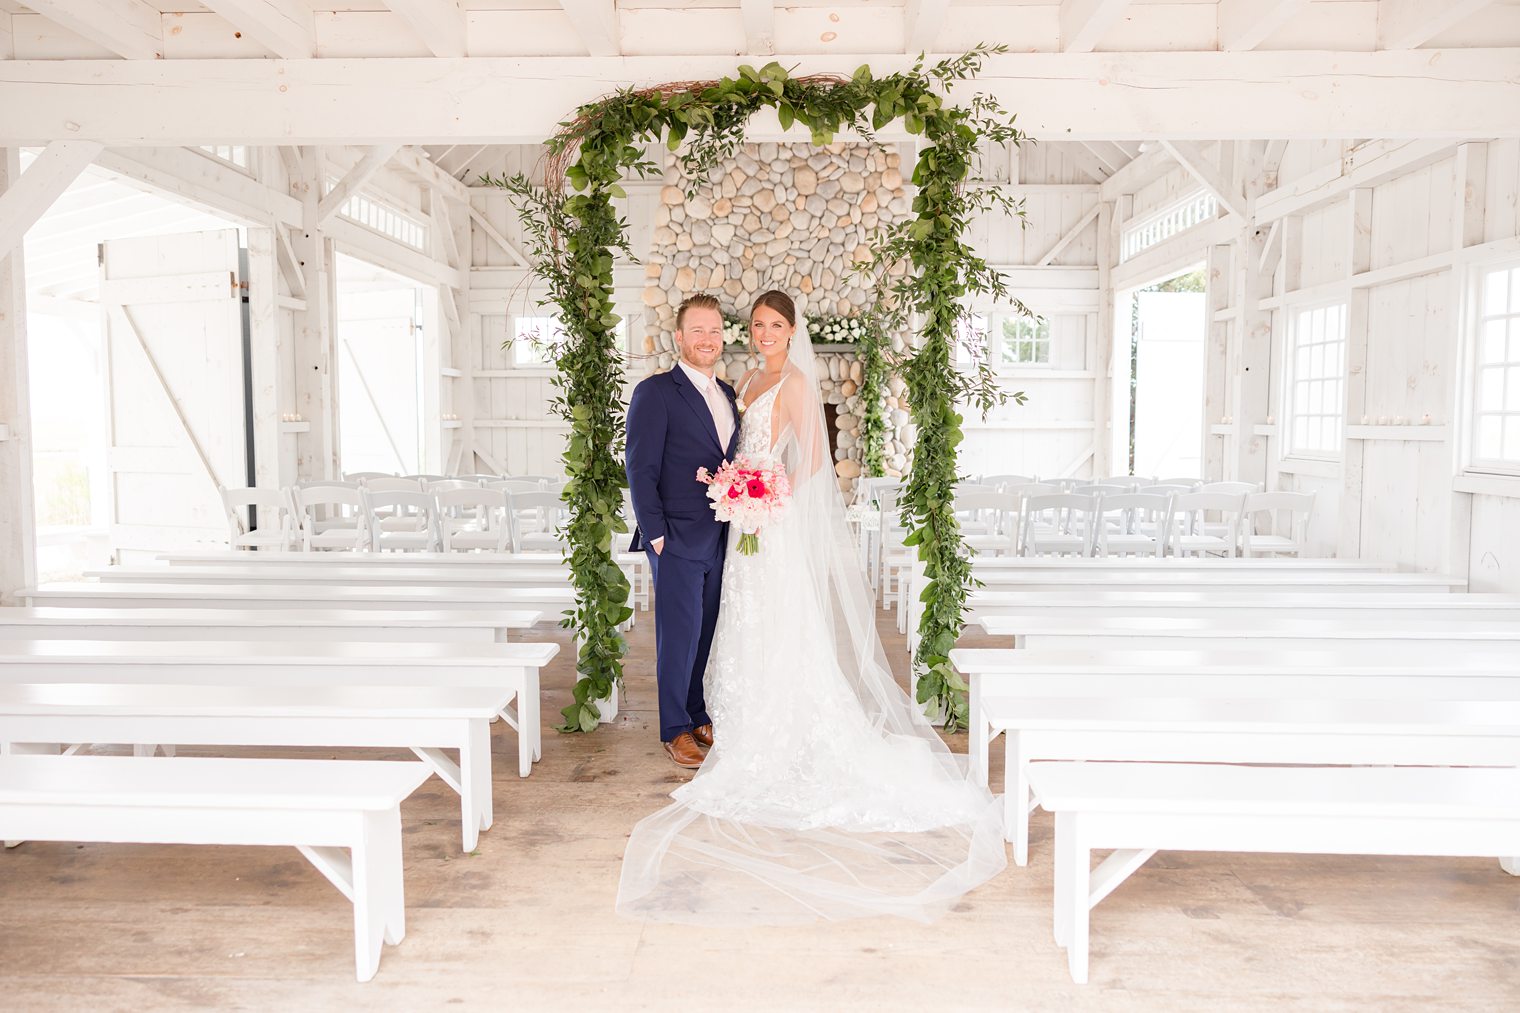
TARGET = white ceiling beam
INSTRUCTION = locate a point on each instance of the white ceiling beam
(128, 28)
(440, 24)
(1111, 155)
(1070, 236)
(1409, 24)
(922, 21)
(1457, 94)
(596, 21)
(287, 28)
(1086, 161)
(1246, 24)
(44, 181)
(759, 26)
(495, 236)
(1192, 159)
(1083, 23)
(373, 161)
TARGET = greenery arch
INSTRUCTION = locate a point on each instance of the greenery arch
(923, 269)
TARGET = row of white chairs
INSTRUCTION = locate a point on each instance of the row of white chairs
(528, 483)
(336, 515)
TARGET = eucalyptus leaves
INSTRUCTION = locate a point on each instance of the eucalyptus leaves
(923, 271)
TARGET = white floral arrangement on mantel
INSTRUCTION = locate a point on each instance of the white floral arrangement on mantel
(836, 330)
(735, 331)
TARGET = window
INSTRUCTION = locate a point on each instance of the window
(383, 218)
(232, 154)
(1025, 342)
(533, 340)
(1004, 340)
(1496, 373)
(1317, 381)
(1166, 223)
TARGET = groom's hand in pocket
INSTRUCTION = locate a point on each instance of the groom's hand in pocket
(657, 544)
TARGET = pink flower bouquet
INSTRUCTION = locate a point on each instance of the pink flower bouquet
(749, 492)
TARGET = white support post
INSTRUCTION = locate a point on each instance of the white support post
(1215, 181)
(1100, 346)
(1467, 229)
(314, 351)
(1253, 331)
(1358, 326)
(265, 352)
(18, 567)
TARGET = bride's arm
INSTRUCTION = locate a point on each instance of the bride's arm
(798, 443)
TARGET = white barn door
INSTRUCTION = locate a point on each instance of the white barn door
(175, 387)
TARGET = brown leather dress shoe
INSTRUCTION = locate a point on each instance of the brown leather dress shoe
(683, 750)
(703, 735)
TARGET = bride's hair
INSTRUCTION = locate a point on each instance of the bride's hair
(779, 301)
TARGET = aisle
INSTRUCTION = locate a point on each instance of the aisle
(527, 923)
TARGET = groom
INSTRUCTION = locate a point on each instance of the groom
(678, 422)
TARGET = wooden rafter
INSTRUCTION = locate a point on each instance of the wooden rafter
(28, 198)
(373, 161)
(759, 26)
(1084, 22)
(440, 24)
(596, 21)
(128, 28)
(1409, 24)
(922, 20)
(1246, 24)
(1191, 158)
(286, 28)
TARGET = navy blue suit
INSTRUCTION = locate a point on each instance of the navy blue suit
(670, 435)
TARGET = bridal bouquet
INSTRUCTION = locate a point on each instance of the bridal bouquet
(748, 491)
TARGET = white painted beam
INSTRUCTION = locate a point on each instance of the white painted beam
(286, 28)
(17, 533)
(129, 28)
(28, 198)
(440, 24)
(1246, 24)
(373, 161)
(597, 23)
(922, 21)
(1457, 94)
(1070, 237)
(759, 26)
(1087, 161)
(1409, 24)
(1214, 181)
(1084, 22)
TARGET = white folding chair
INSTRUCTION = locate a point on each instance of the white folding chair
(473, 519)
(1058, 524)
(440, 484)
(989, 521)
(424, 479)
(536, 520)
(1230, 488)
(365, 477)
(402, 520)
(515, 485)
(477, 479)
(1129, 483)
(1133, 524)
(1269, 542)
(268, 509)
(1194, 534)
(1191, 483)
(392, 484)
(539, 480)
(891, 555)
(332, 516)
(1004, 481)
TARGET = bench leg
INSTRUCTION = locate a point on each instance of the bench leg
(379, 904)
(31, 749)
(1016, 799)
(1510, 865)
(1073, 861)
(978, 737)
(475, 783)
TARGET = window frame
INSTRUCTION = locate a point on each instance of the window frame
(1294, 314)
(1469, 411)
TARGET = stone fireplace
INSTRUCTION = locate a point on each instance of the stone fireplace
(792, 217)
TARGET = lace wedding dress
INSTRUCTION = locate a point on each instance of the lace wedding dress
(827, 794)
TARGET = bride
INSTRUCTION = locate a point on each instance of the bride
(826, 794)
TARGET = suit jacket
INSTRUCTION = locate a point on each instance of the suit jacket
(670, 435)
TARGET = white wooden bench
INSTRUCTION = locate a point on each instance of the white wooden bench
(1430, 731)
(1246, 608)
(477, 626)
(426, 720)
(321, 807)
(1360, 674)
(510, 667)
(1138, 809)
(326, 574)
(1171, 564)
(551, 600)
(1075, 630)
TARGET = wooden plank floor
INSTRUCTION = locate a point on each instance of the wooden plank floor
(526, 922)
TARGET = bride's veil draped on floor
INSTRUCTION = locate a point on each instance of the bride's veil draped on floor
(828, 793)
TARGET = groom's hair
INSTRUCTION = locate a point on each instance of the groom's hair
(700, 301)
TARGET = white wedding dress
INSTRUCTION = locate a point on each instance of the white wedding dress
(827, 794)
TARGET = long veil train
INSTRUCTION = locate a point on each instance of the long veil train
(828, 794)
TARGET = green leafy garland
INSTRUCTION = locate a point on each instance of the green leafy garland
(572, 236)
(874, 347)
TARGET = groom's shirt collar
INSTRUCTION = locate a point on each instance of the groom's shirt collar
(699, 379)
